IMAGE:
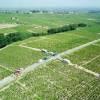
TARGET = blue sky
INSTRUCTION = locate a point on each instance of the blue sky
(48, 3)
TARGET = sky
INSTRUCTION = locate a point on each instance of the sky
(49, 3)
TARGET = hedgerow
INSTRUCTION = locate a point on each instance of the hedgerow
(13, 37)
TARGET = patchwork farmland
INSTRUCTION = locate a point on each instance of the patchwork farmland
(62, 66)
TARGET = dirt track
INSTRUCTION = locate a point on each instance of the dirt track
(6, 81)
(7, 25)
(35, 49)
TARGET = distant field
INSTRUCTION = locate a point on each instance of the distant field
(41, 22)
(54, 80)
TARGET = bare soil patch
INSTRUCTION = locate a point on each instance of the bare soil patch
(8, 25)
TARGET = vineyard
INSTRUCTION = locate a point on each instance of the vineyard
(46, 73)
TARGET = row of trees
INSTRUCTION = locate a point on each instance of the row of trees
(39, 34)
(13, 37)
(65, 28)
(2, 40)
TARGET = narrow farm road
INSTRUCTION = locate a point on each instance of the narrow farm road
(86, 70)
(6, 81)
(35, 49)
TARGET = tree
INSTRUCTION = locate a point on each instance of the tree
(82, 25)
(2, 40)
(13, 37)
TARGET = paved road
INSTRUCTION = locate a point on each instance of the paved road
(12, 78)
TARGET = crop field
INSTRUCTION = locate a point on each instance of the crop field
(47, 77)
(41, 22)
(87, 57)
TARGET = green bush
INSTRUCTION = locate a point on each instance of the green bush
(2, 40)
(82, 25)
(39, 34)
(12, 37)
